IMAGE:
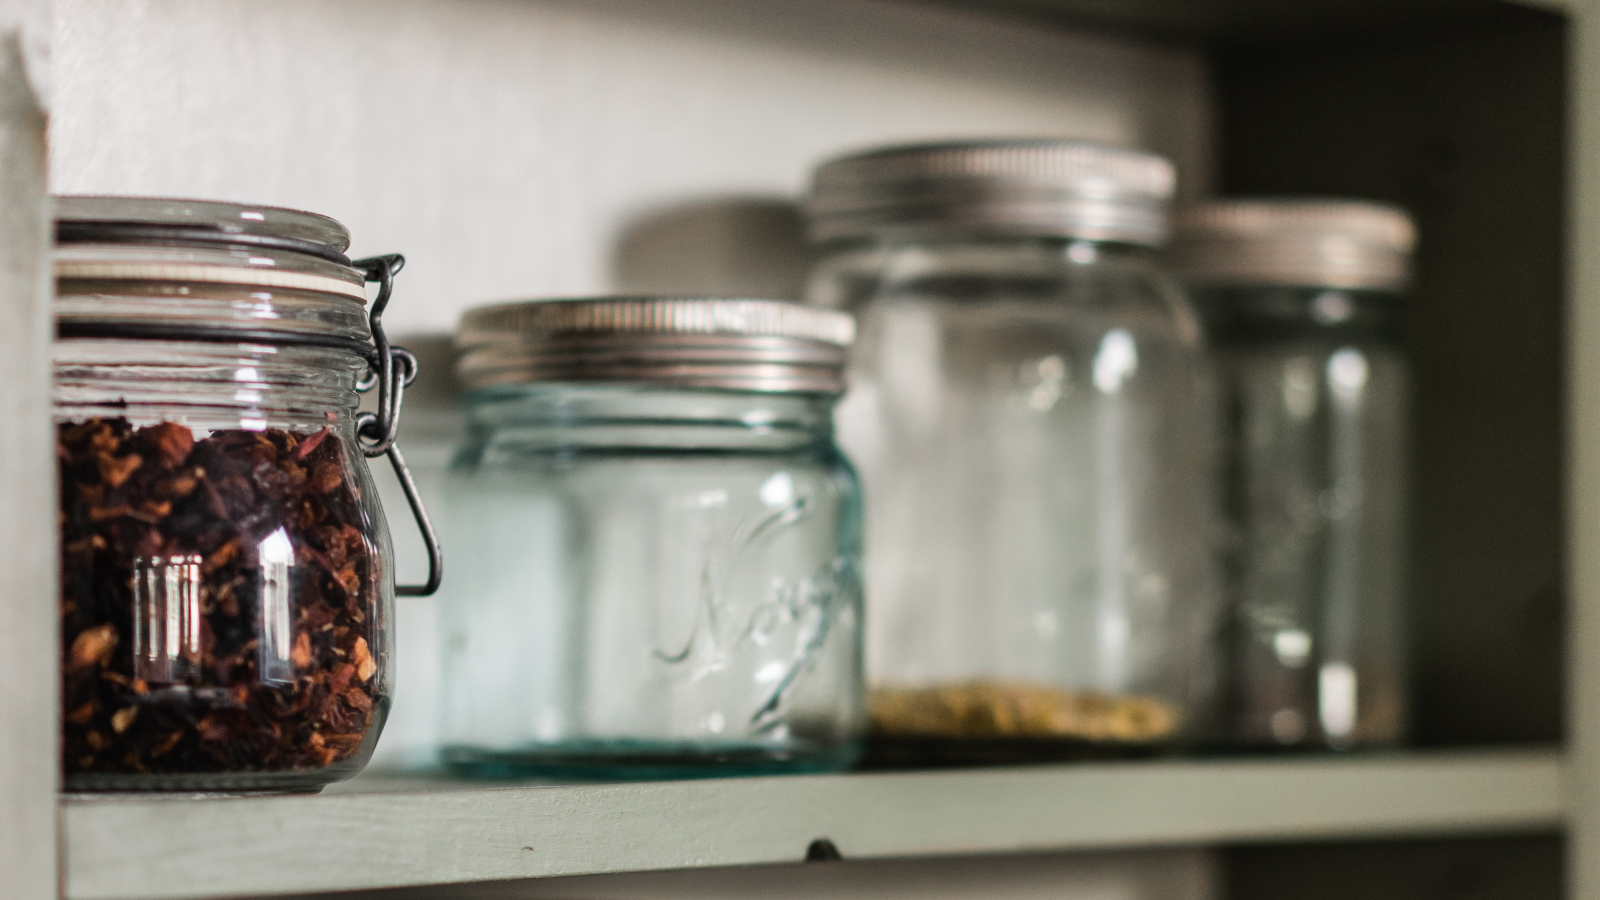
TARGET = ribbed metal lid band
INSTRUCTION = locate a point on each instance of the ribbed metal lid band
(776, 351)
(755, 345)
(760, 379)
(732, 362)
(1096, 168)
(656, 315)
(1025, 186)
(1318, 243)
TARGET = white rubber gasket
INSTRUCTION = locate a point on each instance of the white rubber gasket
(122, 271)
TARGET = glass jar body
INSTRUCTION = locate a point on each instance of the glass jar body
(657, 583)
(1315, 420)
(1028, 419)
(225, 590)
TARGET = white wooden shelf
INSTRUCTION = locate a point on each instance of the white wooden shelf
(382, 833)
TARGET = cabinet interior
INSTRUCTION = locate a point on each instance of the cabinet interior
(1454, 109)
(1458, 115)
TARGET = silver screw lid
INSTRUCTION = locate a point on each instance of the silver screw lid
(729, 344)
(1347, 244)
(1037, 186)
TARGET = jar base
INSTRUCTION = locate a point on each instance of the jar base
(288, 782)
(646, 761)
(1309, 747)
(930, 752)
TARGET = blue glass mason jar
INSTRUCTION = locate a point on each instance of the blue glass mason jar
(1302, 300)
(661, 542)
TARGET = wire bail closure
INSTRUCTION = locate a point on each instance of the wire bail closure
(391, 370)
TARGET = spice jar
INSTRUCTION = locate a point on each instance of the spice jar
(1302, 299)
(1026, 411)
(225, 575)
(662, 542)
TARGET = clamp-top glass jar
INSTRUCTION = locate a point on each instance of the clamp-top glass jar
(666, 542)
(226, 582)
(1302, 299)
(1025, 411)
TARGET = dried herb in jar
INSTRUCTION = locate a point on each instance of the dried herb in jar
(999, 710)
(218, 600)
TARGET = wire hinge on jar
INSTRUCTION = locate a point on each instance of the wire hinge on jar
(392, 369)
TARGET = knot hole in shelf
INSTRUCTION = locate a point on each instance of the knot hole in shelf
(823, 850)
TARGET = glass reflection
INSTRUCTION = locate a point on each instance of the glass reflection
(276, 553)
(166, 617)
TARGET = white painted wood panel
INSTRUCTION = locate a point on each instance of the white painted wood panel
(29, 664)
(535, 147)
(372, 835)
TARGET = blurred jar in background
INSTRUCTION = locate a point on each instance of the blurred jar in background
(1025, 411)
(430, 432)
(1302, 300)
(658, 542)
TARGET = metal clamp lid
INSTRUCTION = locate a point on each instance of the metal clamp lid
(391, 370)
(134, 221)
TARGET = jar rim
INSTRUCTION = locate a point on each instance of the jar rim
(222, 217)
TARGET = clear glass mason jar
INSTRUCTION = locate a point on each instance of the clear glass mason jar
(226, 586)
(1302, 299)
(663, 542)
(1025, 408)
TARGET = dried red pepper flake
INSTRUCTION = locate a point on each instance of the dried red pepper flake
(172, 443)
(166, 745)
(156, 506)
(104, 514)
(310, 443)
(123, 718)
(301, 654)
(220, 557)
(115, 470)
(365, 667)
(180, 485)
(327, 477)
(91, 647)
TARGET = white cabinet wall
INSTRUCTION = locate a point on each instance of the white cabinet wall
(516, 147)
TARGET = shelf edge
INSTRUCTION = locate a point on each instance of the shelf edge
(133, 849)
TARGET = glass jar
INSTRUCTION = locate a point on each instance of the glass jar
(663, 542)
(1026, 411)
(1303, 300)
(225, 573)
